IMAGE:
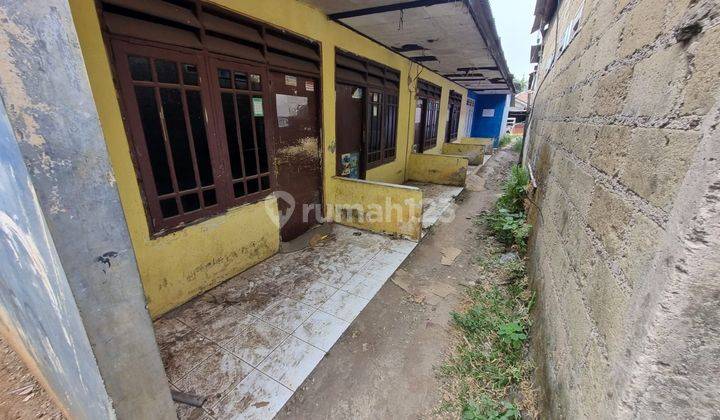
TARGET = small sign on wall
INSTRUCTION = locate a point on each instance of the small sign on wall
(488, 112)
(257, 107)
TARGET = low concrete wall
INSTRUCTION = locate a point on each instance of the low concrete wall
(437, 169)
(474, 153)
(377, 207)
(483, 141)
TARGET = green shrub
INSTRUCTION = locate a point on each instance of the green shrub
(505, 140)
(487, 409)
(514, 191)
(507, 220)
(517, 145)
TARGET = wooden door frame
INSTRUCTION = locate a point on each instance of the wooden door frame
(272, 113)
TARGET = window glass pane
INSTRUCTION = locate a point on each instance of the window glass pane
(209, 197)
(241, 81)
(255, 82)
(150, 120)
(262, 150)
(166, 71)
(168, 207)
(177, 134)
(239, 189)
(246, 133)
(190, 202)
(228, 106)
(265, 182)
(139, 68)
(373, 154)
(224, 78)
(197, 123)
(190, 74)
(253, 185)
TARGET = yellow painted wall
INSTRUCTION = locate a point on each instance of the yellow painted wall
(378, 207)
(180, 265)
(437, 169)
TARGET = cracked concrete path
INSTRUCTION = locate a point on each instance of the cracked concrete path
(385, 363)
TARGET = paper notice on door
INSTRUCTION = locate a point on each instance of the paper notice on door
(289, 107)
(488, 112)
(310, 86)
(257, 107)
(290, 80)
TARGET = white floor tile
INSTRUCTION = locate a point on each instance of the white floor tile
(226, 324)
(339, 276)
(286, 313)
(183, 355)
(169, 330)
(256, 397)
(315, 294)
(375, 269)
(214, 376)
(291, 362)
(344, 305)
(321, 330)
(256, 342)
(402, 246)
(390, 258)
(365, 286)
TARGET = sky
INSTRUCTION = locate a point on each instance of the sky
(513, 19)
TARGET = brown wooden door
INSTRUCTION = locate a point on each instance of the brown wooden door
(419, 125)
(297, 166)
(350, 130)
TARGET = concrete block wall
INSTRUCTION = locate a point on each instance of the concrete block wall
(625, 252)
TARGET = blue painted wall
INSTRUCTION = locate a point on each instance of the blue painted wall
(488, 126)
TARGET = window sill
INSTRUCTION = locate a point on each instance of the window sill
(166, 231)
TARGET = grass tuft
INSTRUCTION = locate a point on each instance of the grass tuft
(489, 371)
(508, 221)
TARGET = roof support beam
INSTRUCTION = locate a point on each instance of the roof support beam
(387, 8)
(482, 15)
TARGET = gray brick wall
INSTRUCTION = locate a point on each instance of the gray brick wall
(625, 253)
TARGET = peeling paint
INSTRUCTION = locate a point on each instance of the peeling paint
(306, 149)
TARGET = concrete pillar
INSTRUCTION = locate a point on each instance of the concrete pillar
(38, 314)
(44, 85)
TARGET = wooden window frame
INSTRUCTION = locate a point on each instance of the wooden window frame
(431, 94)
(382, 80)
(188, 39)
(454, 106)
(215, 135)
(216, 63)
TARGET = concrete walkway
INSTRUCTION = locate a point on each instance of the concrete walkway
(250, 343)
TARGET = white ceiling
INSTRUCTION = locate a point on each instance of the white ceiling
(446, 31)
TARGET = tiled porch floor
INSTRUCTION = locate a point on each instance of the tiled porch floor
(249, 343)
(436, 199)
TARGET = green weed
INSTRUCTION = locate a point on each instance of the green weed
(517, 145)
(508, 221)
(490, 359)
(489, 369)
(507, 139)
